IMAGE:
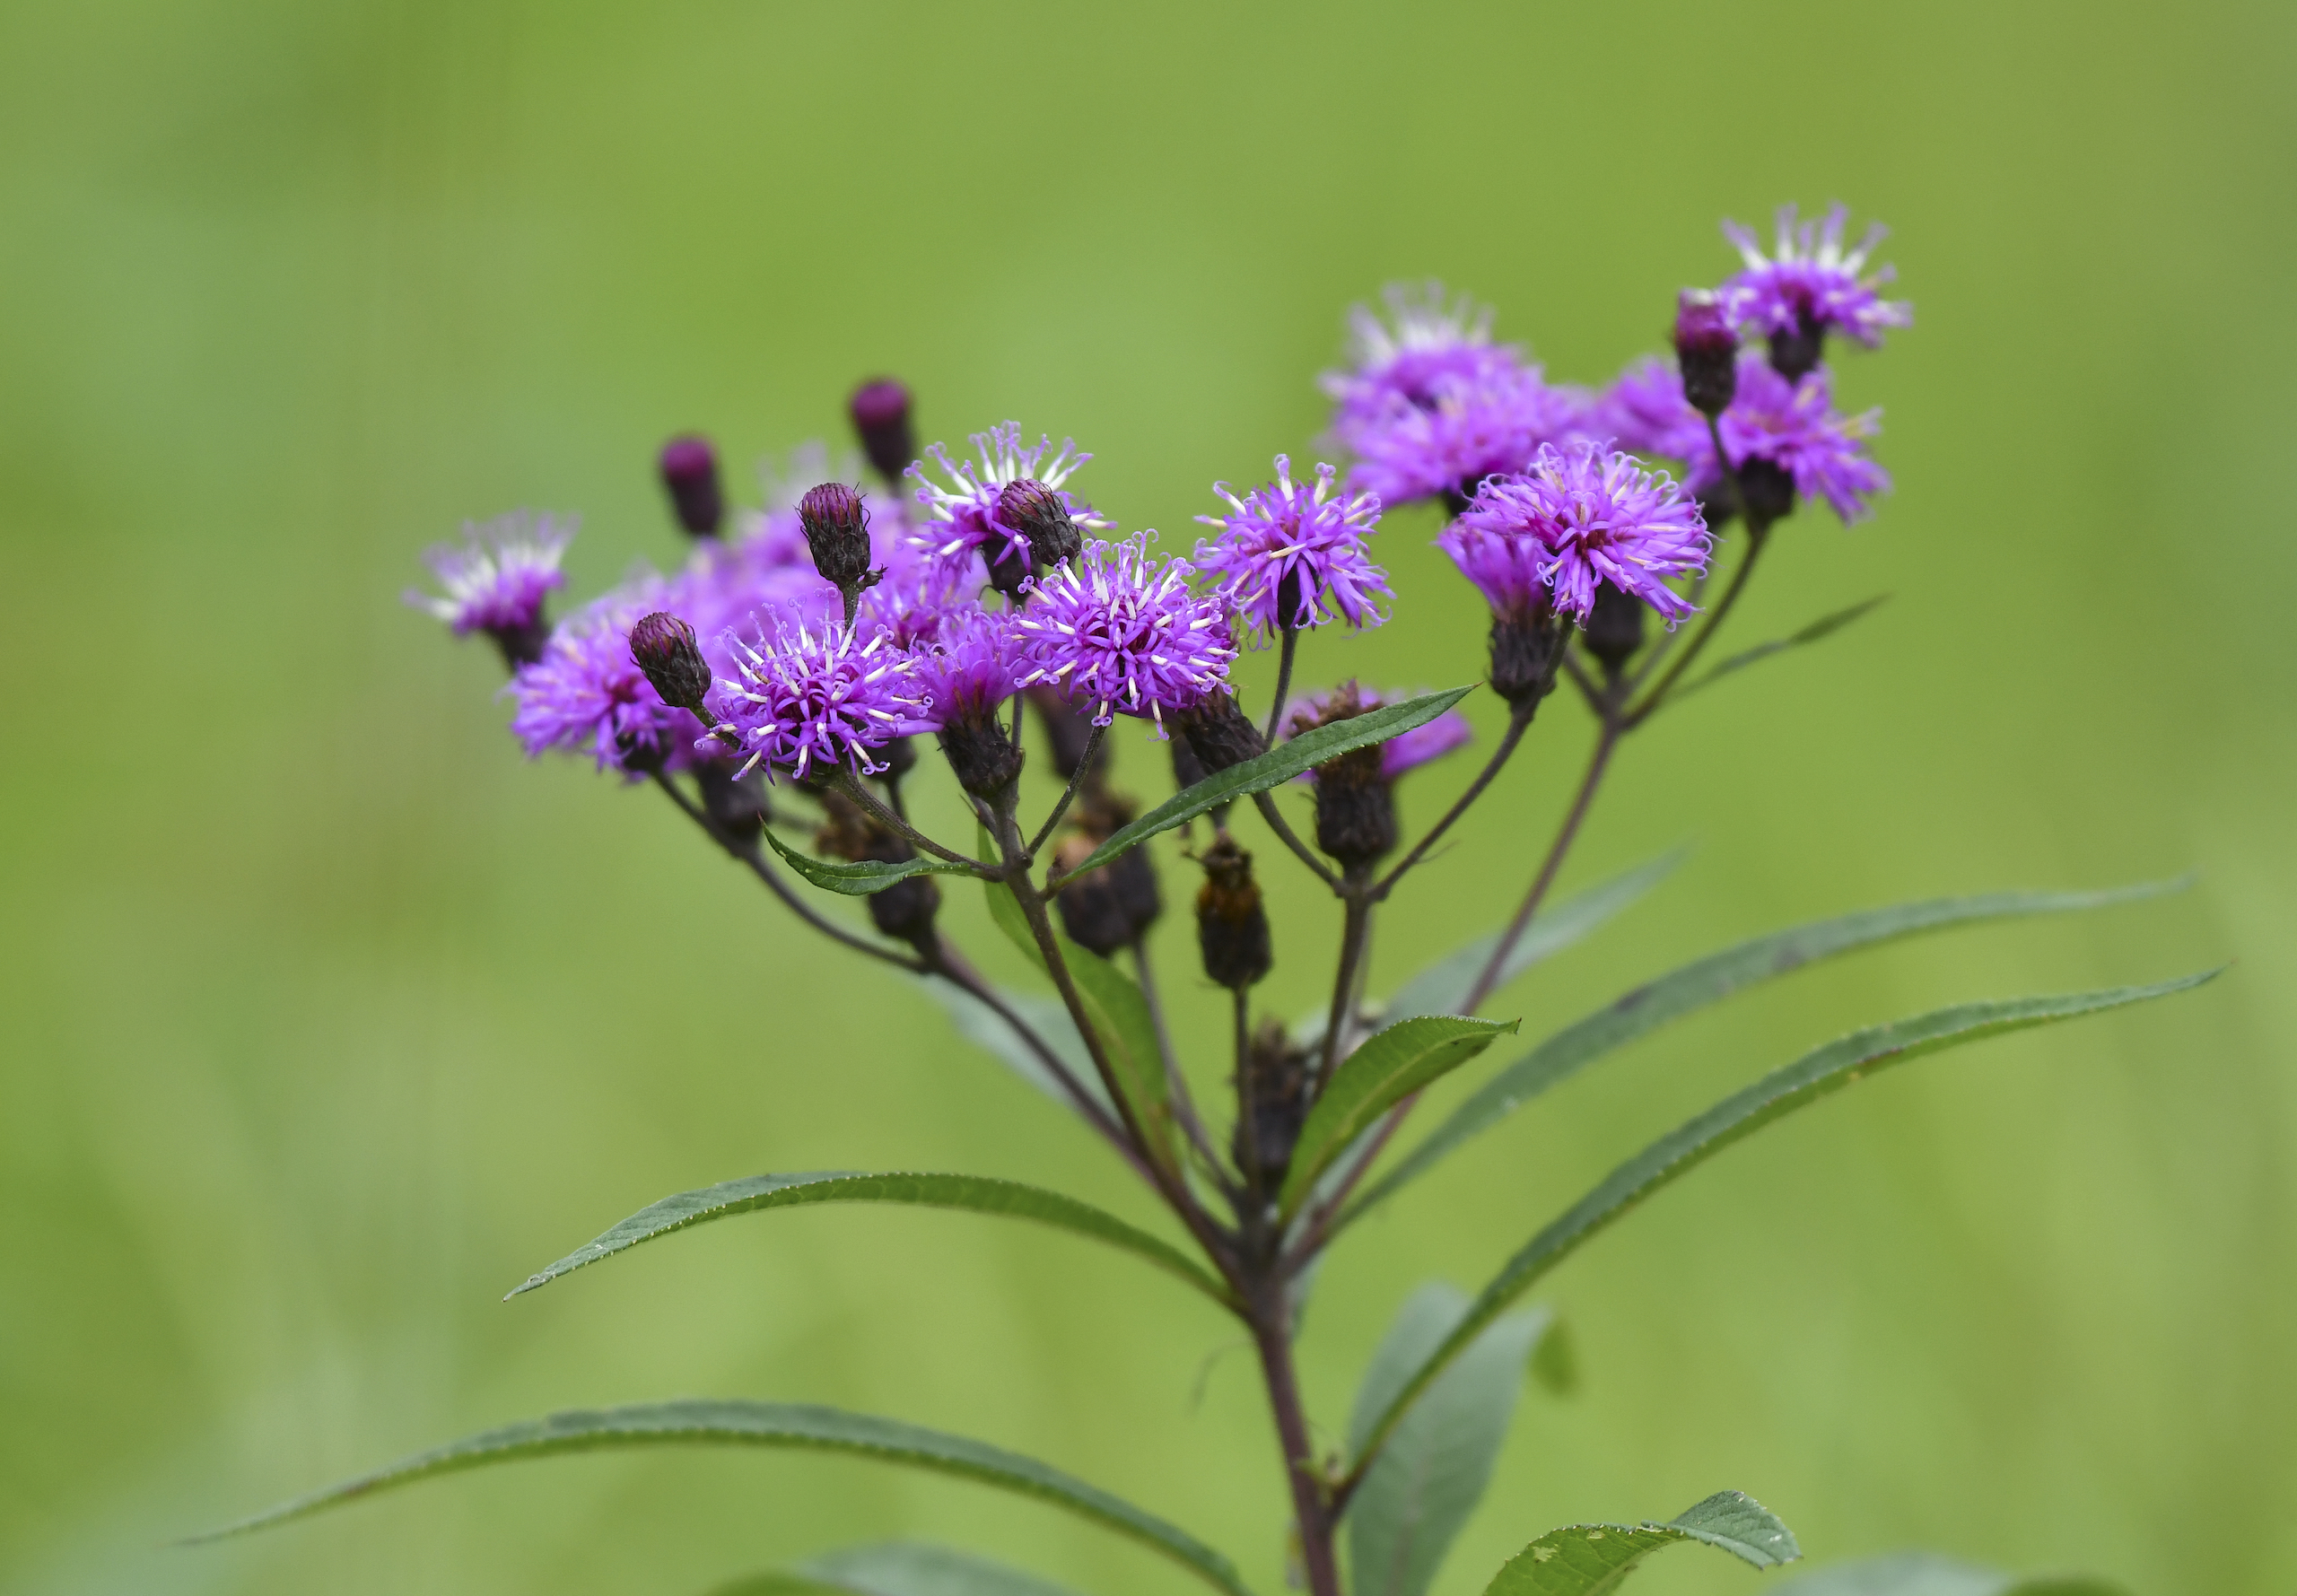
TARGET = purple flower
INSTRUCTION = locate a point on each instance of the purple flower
(1794, 426)
(497, 577)
(1404, 752)
(971, 664)
(586, 696)
(1469, 426)
(1644, 413)
(1810, 284)
(1293, 558)
(808, 697)
(1427, 338)
(966, 519)
(1588, 515)
(1121, 632)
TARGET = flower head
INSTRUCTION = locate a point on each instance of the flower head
(967, 517)
(1426, 338)
(497, 577)
(1794, 427)
(1405, 751)
(972, 665)
(1120, 631)
(1588, 515)
(1294, 557)
(1809, 284)
(586, 694)
(808, 697)
(1469, 426)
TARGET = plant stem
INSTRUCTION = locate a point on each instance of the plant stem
(1266, 803)
(1757, 536)
(1518, 722)
(1284, 653)
(780, 889)
(1184, 1101)
(1312, 1513)
(1612, 731)
(850, 786)
(1355, 925)
(1068, 794)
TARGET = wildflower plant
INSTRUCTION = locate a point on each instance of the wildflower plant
(779, 691)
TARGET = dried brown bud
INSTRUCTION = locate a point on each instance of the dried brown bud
(1218, 732)
(1231, 924)
(1356, 808)
(1271, 1104)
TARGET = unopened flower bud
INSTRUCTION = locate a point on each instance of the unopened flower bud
(1218, 733)
(1768, 489)
(981, 755)
(837, 531)
(664, 646)
(1707, 352)
(1113, 906)
(1231, 924)
(1039, 514)
(1271, 1104)
(689, 469)
(1614, 628)
(1526, 650)
(1355, 806)
(880, 411)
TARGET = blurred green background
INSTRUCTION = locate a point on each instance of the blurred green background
(328, 1017)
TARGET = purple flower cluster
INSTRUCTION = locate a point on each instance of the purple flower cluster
(1293, 557)
(1578, 518)
(1810, 284)
(806, 698)
(967, 516)
(1119, 631)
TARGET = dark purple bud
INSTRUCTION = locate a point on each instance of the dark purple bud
(1768, 489)
(1707, 352)
(1218, 733)
(664, 646)
(1271, 1102)
(1526, 650)
(690, 472)
(1040, 515)
(1355, 806)
(1614, 628)
(1231, 924)
(521, 645)
(837, 531)
(1113, 906)
(880, 410)
(1795, 351)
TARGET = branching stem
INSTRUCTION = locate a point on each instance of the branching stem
(1075, 780)
(1601, 762)
(1518, 723)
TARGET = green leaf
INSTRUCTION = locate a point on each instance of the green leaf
(895, 1568)
(861, 877)
(1817, 1074)
(1117, 1012)
(1706, 980)
(1387, 1069)
(782, 1425)
(977, 1193)
(1428, 1478)
(984, 1027)
(1442, 987)
(1824, 626)
(1278, 765)
(1594, 1559)
(1919, 1573)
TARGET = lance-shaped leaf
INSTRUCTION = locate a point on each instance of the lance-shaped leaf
(1919, 1573)
(984, 1027)
(1708, 980)
(1443, 986)
(976, 1194)
(783, 1424)
(1383, 1072)
(1594, 1559)
(895, 1568)
(1278, 765)
(1817, 1074)
(1117, 1012)
(1414, 1500)
(861, 878)
(1824, 626)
